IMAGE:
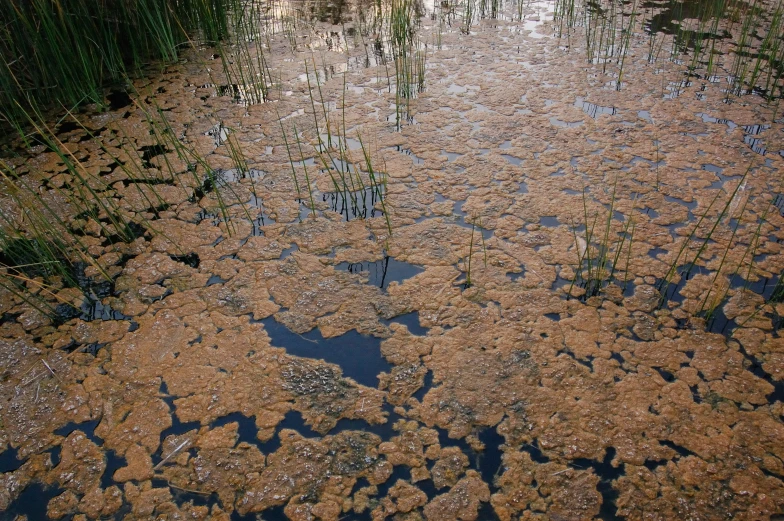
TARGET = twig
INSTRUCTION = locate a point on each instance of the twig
(51, 370)
(171, 455)
(191, 490)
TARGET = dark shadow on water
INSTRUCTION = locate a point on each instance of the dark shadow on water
(488, 462)
(96, 310)
(359, 356)
(88, 428)
(118, 99)
(422, 391)
(666, 375)
(535, 452)
(181, 496)
(113, 463)
(248, 432)
(54, 455)
(682, 451)
(270, 514)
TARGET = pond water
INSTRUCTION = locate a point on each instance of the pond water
(511, 268)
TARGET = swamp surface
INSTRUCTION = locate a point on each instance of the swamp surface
(490, 272)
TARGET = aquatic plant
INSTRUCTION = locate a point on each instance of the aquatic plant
(476, 222)
(243, 59)
(355, 192)
(288, 151)
(211, 17)
(294, 170)
(307, 177)
(403, 21)
(468, 15)
(719, 294)
(696, 36)
(65, 52)
(46, 230)
(87, 195)
(321, 103)
(378, 181)
(600, 251)
(627, 32)
(668, 286)
(467, 264)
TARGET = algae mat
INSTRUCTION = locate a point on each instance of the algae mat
(558, 302)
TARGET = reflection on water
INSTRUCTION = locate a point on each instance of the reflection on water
(592, 109)
(360, 204)
(380, 273)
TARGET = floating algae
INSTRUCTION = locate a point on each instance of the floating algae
(293, 344)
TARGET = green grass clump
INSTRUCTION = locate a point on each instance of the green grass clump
(64, 52)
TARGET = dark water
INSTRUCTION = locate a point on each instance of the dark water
(31, 502)
(380, 273)
(359, 356)
(360, 204)
(9, 461)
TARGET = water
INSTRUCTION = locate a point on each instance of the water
(516, 161)
(359, 204)
(592, 109)
(380, 273)
(567, 124)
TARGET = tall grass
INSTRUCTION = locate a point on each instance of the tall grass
(476, 222)
(683, 264)
(740, 38)
(409, 57)
(600, 252)
(245, 65)
(66, 51)
(49, 229)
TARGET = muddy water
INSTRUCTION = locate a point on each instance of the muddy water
(440, 355)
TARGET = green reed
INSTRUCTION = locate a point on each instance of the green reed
(245, 66)
(377, 181)
(476, 223)
(56, 52)
(699, 42)
(468, 282)
(307, 176)
(684, 270)
(600, 260)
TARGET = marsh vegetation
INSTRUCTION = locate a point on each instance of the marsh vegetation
(397, 259)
